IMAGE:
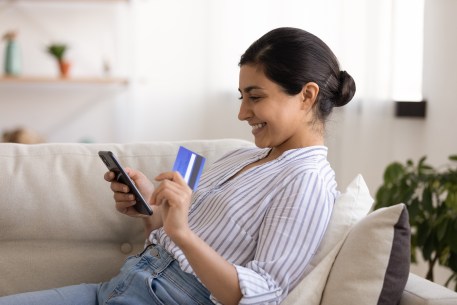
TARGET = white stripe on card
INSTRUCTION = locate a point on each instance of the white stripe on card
(190, 166)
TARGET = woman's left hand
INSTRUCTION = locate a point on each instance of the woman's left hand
(174, 195)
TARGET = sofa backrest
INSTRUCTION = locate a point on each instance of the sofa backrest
(58, 225)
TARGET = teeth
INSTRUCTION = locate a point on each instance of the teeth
(257, 126)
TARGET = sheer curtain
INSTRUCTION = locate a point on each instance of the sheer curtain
(187, 53)
(386, 62)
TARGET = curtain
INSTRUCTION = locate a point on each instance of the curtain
(187, 56)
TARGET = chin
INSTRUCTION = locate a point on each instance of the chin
(261, 144)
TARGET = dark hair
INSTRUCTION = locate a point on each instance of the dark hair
(292, 58)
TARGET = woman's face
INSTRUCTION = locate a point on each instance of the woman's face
(278, 120)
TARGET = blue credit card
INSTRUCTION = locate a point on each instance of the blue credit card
(189, 165)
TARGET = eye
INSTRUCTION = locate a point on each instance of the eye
(251, 98)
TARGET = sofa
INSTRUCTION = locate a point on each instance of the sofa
(58, 226)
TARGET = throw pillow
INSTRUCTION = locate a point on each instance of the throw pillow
(350, 207)
(372, 266)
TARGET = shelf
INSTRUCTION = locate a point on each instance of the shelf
(70, 80)
(63, 1)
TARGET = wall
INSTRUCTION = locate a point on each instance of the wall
(436, 137)
(96, 32)
(180, 56)
(367, 137)
(183, 70)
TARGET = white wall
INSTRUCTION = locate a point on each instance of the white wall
(181, 57)
(367, 136)
(366, 140)
(95, 32)
(436, 136)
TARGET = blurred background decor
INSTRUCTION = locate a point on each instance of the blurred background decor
(12, 65)
(430, 195)
(57, 50)
(22, 135)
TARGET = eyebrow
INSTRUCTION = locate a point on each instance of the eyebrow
(249, 89)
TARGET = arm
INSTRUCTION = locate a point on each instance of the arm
(125, 201)
(218, 275)
(289, 236)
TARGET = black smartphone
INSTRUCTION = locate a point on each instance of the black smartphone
(113, 164)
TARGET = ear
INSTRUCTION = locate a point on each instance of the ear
(309, 94)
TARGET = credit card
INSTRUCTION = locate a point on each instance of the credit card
(189, 165)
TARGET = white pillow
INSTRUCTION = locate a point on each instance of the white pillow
(372, 266)
(350, 207)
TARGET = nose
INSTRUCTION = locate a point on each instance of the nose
(245, 111)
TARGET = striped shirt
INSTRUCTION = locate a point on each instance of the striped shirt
(268, 221)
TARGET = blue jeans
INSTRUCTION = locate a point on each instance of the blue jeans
(152, 277)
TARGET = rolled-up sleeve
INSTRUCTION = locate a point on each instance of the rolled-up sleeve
(289, 236)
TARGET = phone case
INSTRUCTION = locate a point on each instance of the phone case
(113, 164)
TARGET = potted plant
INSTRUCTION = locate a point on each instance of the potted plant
(430, 195)
(57, 50)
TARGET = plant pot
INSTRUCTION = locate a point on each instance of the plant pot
(64, 68)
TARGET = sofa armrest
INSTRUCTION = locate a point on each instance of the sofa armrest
(419, 291)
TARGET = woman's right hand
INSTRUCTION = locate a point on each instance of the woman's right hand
(125, 200)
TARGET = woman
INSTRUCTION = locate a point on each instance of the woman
(248, 233)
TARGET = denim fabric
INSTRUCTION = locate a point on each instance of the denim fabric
(84, 294)
(152, 277)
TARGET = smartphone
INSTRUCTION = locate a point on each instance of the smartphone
(113, 164)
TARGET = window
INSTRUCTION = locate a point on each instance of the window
(407, 37)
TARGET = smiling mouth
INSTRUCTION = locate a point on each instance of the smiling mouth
(257, 127)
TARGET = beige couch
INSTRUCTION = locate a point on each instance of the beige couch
(58, 225)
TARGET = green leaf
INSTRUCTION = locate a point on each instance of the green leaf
(452, 262)
(422, 233)
(451, 239)
(428, 248)
(383, 197)
(421, 166)
(414, 211)
(427, 201)
(393, 172)
(442, 229)
(431, 198)
(57, 50)
(451, 201)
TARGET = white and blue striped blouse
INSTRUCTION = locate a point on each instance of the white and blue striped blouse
(267, 221)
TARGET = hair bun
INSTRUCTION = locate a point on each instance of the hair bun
(346, 89)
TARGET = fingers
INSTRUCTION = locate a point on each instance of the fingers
(124, 206)
(109, 176)
(119, 187)
(172, 176)
(172, 189)
(124, 200)
(121, 191)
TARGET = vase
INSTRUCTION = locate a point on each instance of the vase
(12, 58)
(64, 68)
